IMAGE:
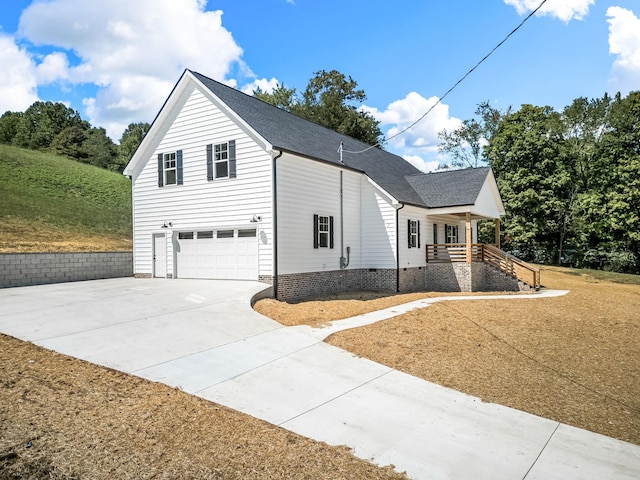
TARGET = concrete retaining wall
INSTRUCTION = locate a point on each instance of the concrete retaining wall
(22, 269)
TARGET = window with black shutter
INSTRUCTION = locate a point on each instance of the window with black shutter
(413, 233)
(170, 168)
(322, 231)
(221, 160)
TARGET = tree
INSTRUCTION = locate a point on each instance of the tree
(618, 180)
(466, 143)
(281, 97)
(331, 100)
(527, 154)
(585, 121)
(42, 121)
(98, 148)
(129, 142)
(9, 126)
(70, 142)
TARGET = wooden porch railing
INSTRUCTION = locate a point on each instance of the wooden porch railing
(457, 252)
(453, 252)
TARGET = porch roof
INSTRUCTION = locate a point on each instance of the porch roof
(453, 188)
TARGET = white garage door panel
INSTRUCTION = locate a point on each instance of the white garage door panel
(233, 258)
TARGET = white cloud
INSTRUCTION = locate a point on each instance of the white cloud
(422, 164)
(624, 42)
(419, 144)
(565, 10)
(134, 51)
(267, 86)
(402, 113)
(18, 84)
(54, 67)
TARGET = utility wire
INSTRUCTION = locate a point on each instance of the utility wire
(458, 82)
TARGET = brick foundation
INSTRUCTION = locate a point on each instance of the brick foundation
(435, 277)
(412, 279)
(474, 277)
(293, 287)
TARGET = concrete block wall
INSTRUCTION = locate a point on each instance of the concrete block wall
(22, 269)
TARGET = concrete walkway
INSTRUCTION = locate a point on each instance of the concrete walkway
(203, 337)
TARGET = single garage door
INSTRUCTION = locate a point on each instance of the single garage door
(230, 254)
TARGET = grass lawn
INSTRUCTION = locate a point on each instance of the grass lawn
(52, 203)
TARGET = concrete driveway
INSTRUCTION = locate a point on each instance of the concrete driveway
(203, 336)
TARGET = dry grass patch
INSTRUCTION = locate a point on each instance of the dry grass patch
(85, 421)
(573, 359)
(22, 236)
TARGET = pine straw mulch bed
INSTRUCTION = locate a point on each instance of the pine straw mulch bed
(84, 421)
(574, 359)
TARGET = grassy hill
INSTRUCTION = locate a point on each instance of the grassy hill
(50, 203)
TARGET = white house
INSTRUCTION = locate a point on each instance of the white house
(226, 186)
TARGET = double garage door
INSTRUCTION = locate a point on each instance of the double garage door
(220, 254)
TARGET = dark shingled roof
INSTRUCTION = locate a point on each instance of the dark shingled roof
(450, 188)
(289, 132)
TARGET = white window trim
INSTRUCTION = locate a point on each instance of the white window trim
(168, 159)
(413, 226)
(221, 156)
(323, 231)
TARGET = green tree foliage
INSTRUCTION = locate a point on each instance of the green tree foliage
(332, 100)
(42, 122)
(99, 149)
(9, 126)
(571, 182)
(70, 142)
(129, 142)
(465, 144)
(526, 154)
(281, 97)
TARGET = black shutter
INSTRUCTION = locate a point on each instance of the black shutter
(409, 232)
(418, 233)
(232, 159)
(160, 172)
(209, 162)
(446, 233)
(330, 232)
(315, 231)
(179, 167)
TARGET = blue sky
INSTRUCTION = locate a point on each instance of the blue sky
(115, 62)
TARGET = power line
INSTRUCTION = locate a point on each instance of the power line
(458, 82)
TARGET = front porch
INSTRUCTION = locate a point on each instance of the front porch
(464, 255)
(470, 253)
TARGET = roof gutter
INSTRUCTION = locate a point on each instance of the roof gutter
(274, 181)
(398, 247)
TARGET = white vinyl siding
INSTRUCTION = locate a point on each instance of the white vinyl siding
(199, 204)
(307, 188)
(412, 257)
(378, 228)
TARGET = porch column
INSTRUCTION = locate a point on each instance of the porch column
(497, 226)
(469, 238)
